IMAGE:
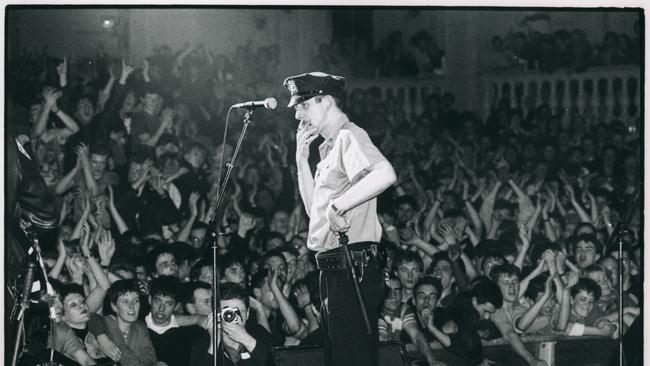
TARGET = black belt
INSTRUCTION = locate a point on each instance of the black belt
(333, 260)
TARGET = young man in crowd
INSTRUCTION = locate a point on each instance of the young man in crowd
(124, 328)
(587, 250)
(273, 310)
(163, 261)
(398, 321)
(466, 313)
(173, 338)
(197, 298)
(408, 269)
(507, 278)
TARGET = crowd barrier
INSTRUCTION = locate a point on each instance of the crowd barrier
(555, 350)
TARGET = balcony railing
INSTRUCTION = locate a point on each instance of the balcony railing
(599, 94)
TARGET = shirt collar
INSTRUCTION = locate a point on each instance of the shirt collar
(160, 329)
(332, 130)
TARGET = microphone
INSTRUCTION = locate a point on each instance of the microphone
(27, 288)
(268, 103)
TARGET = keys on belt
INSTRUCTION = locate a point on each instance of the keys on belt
(334, 260)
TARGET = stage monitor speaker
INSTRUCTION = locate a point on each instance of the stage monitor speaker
(390, 354)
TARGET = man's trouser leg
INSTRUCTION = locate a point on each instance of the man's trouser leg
(346, 340)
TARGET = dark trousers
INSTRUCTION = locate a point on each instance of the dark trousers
(346, 342)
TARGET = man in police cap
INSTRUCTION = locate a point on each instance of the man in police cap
(341, 197)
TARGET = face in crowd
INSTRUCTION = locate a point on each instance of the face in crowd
(585, 254)
(582, 303)
(426, 298)
(393, 298)
(166, 265)
(75, 310)
(509, 286)
(443, 271)
(409, 274)
(127, 307)
(202, 302)
(162, 309)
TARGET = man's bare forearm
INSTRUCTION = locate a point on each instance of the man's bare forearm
(381, 176)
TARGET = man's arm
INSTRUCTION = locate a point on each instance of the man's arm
(380, 176)
(509, 335)
(67, 181)
(417, 337)
(292, 320)
(166, 121)
(487, 207)
(305, 135)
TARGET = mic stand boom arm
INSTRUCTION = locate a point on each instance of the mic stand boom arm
(211, 238)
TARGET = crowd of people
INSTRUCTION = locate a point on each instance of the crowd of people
(495, 228)
(418, 56)
(562, 49)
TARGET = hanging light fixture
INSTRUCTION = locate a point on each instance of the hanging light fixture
(108, 22)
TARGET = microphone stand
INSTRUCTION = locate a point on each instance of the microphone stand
(24, 305)
(343, 241)
(617, 236)
(211, 238)
(50, 292)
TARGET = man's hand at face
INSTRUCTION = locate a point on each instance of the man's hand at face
(305, 135)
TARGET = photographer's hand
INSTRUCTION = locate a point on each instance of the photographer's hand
(238, 333)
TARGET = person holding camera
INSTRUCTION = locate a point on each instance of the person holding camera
(244, 343)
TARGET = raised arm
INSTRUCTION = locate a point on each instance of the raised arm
(430, 217)
(96, 296)
(565, 304)
(105, 93)
(40, 126)
(184, 234)
(85, 211)
(292, 320)
(55, 272)
(584, 217)
(524, 236)
(525, 203)
(526, 320)
(91, 185)
(122, 227)
(62, 70)
(487, 207)
(304, 137)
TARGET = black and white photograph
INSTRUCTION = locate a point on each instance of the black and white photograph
(333, 184)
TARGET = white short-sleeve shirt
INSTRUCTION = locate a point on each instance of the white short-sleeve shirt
(345, 159)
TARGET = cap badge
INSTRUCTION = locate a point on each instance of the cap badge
(291, 85)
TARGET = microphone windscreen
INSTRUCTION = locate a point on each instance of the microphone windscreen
(270, 103)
